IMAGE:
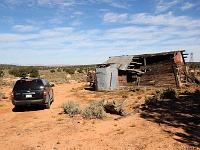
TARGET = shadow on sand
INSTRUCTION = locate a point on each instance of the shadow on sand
(182, 113)
(28, 108)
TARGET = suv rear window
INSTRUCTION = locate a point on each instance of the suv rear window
(28, 85)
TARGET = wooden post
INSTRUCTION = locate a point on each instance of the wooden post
(145, 63)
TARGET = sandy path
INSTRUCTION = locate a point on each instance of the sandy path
(47, 129)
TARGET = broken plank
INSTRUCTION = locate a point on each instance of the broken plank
(127, 115)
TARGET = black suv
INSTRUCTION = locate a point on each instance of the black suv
(32, 91)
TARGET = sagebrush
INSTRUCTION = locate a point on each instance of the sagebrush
(169, 93)
(71, 108)
(1, 95)
(94, 111)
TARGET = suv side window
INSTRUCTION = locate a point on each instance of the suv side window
(46, 83)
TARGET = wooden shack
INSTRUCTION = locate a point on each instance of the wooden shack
(166, 69)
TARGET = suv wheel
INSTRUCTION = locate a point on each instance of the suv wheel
(48, 104)
(16, 108)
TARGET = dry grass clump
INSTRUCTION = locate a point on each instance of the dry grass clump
(125, 95)
(150, 100)
(1, 95)
(71, 108)
(170, 93)
(94, 111)
(160, 94)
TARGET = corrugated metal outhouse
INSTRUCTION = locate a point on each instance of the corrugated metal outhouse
(107, 77)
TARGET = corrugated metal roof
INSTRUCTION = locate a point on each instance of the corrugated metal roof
(122, 61)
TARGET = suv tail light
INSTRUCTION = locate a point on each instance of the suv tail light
(12, 95)
(45, 92)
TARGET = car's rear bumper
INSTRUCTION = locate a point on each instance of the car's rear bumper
(28, 102)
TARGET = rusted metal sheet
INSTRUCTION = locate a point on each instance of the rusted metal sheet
(122, 61)
(178, 58)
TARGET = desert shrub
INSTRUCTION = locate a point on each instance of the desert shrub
(52, 71)
(69, 70)
(80, 70)
(1, 95)
(1, 73)
(59, 70)
(33, 72)
(125, 96)
(150, 100)
(15, 72)
(71, 108)
(94, 111)
(159, 94)
(24, 71)
(170, 93)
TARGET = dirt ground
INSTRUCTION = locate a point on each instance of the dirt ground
(49, 129)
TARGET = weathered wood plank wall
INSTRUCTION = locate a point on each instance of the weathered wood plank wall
(160, 74)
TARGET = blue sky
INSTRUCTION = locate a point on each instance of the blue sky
(80, 32)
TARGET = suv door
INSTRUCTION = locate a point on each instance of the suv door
(49, 90)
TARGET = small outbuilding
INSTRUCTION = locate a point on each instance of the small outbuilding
(166, 69)
(107, 77)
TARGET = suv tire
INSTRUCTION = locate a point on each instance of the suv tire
(48, 105)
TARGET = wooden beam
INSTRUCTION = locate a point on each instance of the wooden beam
(129, 114)
(133, 62)
(135, 70)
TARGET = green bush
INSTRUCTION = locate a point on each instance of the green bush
(159, 94)
(80, 70)
(71, 108)
(94, 111)
(69, 70)
(59, 70)
(33, 72)
(24, 72)
(150, 100)
(170, 93)
(52, 71)
(1, 73)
